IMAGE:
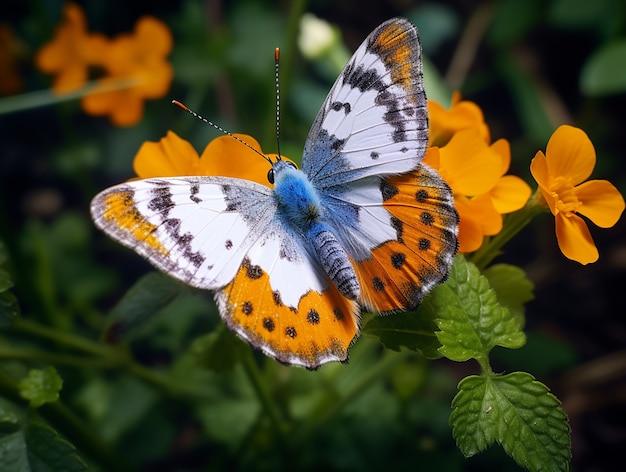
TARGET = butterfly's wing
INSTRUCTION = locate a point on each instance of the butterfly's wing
(185, 226)
(224, 234)
(399, 272)
(374, 121)
(289, 310)
(394, 216)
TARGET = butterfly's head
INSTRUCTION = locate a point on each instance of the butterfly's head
(279, 167)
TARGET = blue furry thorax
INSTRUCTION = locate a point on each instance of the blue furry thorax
(297, 199)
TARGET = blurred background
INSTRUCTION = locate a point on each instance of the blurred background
(530, 66)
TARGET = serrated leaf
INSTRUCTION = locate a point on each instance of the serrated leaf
(516, 411)
(470, 318)
(218, 351)
(153, 292)
(512, 287)
(41, 386)
(412, 330)
(37, 447)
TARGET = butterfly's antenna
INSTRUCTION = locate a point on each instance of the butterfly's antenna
(219, 128)
(276, 64)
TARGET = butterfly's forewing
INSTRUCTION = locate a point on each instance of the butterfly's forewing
(186, 226)
(374, 121)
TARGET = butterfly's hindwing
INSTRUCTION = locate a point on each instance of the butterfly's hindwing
(259, 306)
(402, 270)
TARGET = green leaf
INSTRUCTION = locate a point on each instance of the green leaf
(9, 308)
(153, 292)
(519, 413)
(512, 287)
(604, 72)
(218, 351)
(413, 330)
(41, 386)
(34, 446)
(470, 319)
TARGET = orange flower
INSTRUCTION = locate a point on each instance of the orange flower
(462, 115)
(474, 170)
(471, 168)
(71, 51)
(561, 174)
(140, 59)
(224, 156)
(11, 48)
(510, 192)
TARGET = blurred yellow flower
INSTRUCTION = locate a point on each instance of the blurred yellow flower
(72, 50)
(224, 156)
(140, 59)
(561, 173)
(11, 49)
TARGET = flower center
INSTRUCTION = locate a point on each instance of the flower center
(564, 194)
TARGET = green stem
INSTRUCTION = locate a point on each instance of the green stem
(264, 396)
(512, 225)
(104, 356)
(64, 337)
(333, 403)
(47, 357)
(41, 98)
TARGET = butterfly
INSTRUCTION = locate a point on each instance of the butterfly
(364, 225)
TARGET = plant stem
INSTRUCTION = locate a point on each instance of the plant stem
(264, 396)
(512, 225)
(329, 407)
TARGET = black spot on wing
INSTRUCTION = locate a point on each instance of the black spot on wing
(387, 190)
(337, 106)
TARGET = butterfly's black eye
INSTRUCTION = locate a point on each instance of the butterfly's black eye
(270, 176)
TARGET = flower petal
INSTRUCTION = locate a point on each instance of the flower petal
(503, 149)
(570, 153)
(462, 115)
(477, 218)
(575, 240)
(601, 202)
(228, 157)
(468, 164)
(171, 156)
(510, 194)
(539, 171)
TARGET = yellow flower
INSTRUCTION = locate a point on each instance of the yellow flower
(140, 59)
(72, 50)
(11, 49)
(224, 156)
(462, 115)
(510, 192)
(474, 169)
(561, 174)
